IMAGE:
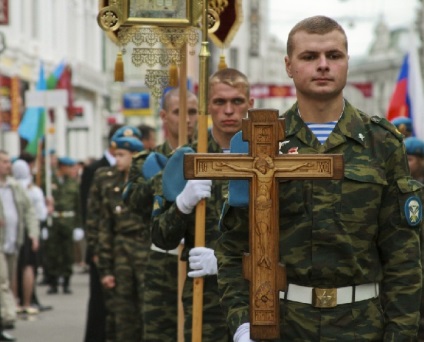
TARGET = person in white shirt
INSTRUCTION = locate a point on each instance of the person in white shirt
(27, 262)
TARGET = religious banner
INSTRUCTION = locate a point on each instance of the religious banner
(225, 17)
(114, 14)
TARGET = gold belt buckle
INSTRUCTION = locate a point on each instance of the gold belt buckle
(324, 298)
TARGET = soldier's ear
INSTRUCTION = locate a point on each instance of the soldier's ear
(288, 66)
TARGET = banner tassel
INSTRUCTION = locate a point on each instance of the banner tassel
(173, 75)
(119, 68)
(222, 63)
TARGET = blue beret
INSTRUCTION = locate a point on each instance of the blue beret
(127, 131)
(414, 146)
(127, 143)
(154, 163)
(173, 180)
(403, 124)
(66, 161)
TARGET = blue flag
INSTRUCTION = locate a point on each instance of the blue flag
(32, 124)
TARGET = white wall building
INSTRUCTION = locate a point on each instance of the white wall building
(51, 32)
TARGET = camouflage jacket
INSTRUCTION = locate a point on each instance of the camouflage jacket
(116, 219)
(67, 210)
(102, 176)
(336, 233)
(138, 192)
(169, 225)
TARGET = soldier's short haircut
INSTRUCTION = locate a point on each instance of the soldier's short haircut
(146, 130)
(314, 25)
(174, 92)
(231, 77)
(4, 152)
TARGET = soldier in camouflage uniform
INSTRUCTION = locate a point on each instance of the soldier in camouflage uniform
(65, 218)
(100, 313)
(94, 204)
(161, 284)
(415, 151)
(229, 100)
(123, 245)
(359, 234)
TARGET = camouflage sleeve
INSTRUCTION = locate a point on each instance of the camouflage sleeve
(399, 246)
(233, 288)
(105, 238)
(138, 193)
(93, 210)
(77, 206)
(168, 223)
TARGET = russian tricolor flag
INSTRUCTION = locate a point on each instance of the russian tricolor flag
(408, 97)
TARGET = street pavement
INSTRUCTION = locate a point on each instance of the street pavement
(65, 323)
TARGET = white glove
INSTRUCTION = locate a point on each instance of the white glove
(202, 261)
(193, 192)
(78, 234)
(243, 333)
(44, 233)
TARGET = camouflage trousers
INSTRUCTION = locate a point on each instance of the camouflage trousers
(59, 249)
(108, 298)
(360, 321)
(161, 297)
(130, 255)
(214, 327)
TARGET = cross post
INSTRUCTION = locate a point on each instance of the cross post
(263, 167)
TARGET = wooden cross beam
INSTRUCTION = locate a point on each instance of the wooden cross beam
(263, 166)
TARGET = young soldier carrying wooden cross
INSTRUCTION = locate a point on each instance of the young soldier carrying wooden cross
(351, 246)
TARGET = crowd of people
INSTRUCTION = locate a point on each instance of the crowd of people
(351, 247)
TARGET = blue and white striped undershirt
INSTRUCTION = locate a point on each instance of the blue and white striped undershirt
(322, 130)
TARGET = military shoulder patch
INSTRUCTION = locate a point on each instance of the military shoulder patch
(388, 126)
(157, 206)
(413, 211)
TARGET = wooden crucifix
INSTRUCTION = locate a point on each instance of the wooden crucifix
(263, 166)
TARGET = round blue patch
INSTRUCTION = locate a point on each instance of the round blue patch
(413, 211)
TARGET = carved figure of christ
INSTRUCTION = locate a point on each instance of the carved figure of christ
(263, 167)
